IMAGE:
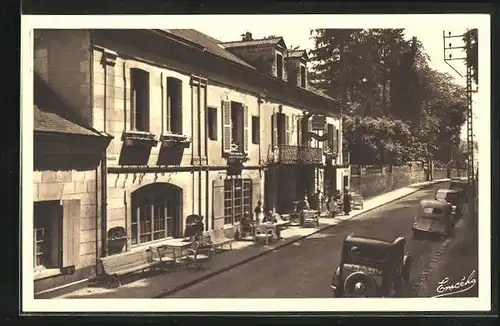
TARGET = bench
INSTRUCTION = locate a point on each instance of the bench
(219, 240)
(117, 265)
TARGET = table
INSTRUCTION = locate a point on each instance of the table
(177, 245)
(274, 226)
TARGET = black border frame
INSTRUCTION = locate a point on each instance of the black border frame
(9, 293)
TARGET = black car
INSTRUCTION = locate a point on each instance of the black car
(371, 268)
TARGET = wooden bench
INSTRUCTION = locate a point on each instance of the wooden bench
(117, 265)
(219, 240)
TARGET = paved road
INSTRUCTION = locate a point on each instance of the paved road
(304, 269)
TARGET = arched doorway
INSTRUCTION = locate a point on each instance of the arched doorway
(156, 213)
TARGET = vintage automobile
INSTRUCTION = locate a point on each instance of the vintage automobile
(435, 217)
(452, 196)
(462, 185)
(371, 268)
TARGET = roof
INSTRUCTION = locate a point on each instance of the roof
(448, 190)
(433, 203)
(263, 41)
(52, 115)
(209, 43)
(297, 54)
(387, 241)
(217, 48)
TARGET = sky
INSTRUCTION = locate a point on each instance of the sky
(299, 36)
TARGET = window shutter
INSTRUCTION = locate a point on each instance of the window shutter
(245, 128)
(256, 194)
(333, 137)
(226, 126)
(218, 204)
(70, 232)
(274, 124)
(288, 132)
(299, 131)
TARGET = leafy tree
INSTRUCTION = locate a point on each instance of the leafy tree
(398, 108)
(471, 49)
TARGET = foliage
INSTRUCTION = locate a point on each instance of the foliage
(471, 49)
(398, 108)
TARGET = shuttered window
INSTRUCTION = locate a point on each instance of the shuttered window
(299, 131)
(226, 126)
(218, 204)
(70, 233)
(139, 99)
(274, 125)
(330, 136)
(245, 128)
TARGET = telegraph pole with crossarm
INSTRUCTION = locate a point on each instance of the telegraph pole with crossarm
(449, 58)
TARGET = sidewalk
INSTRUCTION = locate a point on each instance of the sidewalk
(163, 284)
(459, 262)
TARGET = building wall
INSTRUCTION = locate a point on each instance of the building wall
(66, 185)
(63, 60)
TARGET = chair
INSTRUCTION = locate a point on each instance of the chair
(197, 254)
(264, 233)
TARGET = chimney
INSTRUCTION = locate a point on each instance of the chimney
(247, 36)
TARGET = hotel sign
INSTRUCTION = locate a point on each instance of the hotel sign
(318, 122)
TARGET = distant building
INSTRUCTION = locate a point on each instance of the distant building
(198, 127)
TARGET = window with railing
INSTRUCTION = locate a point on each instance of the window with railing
(47, 239)
(237, 200)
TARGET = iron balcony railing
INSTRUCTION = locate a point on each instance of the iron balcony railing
(292, 154)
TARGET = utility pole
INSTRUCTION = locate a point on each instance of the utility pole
(448, 57)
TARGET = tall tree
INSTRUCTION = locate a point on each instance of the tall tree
(471, 49)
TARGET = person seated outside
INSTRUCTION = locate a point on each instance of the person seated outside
(269, 217)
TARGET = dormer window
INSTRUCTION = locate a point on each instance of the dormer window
(279, 66)
(303, 80)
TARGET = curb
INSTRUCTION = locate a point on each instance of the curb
(249, 259)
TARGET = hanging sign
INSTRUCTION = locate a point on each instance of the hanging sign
(318, 122)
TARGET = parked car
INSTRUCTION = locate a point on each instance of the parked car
(462, 186)
(452, 196)
(434, 216)
(371, 268)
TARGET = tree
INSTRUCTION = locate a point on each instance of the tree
(471, 50)
(399, 109)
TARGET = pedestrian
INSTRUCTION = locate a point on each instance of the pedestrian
(258, 211)
(347, 201)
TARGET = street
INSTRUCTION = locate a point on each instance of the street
(304, 269)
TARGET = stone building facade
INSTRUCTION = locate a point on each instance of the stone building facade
(195, 128)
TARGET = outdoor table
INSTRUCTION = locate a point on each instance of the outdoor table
(177, 246)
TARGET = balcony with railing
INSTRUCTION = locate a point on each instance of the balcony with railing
(292, 154)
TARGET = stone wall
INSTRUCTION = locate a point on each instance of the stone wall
(373, 184)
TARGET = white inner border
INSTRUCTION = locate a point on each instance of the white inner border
(435, 24)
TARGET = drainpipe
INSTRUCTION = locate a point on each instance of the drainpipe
(199, 147)
(192, 146)
(91, 81)
(104, 168)
(207, 173)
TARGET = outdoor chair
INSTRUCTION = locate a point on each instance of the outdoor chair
(197, 255)
(263, 234)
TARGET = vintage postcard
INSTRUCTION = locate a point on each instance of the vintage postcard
(301, 159)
